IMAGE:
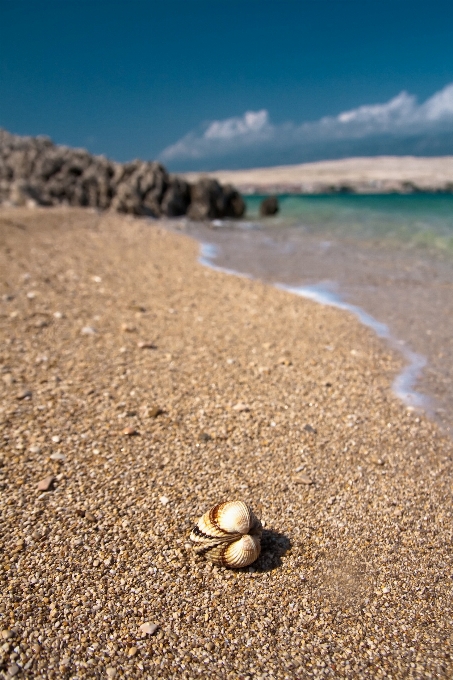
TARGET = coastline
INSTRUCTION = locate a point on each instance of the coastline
(374, 175)
(356, 562)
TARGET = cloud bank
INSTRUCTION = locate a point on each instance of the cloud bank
(401, 125)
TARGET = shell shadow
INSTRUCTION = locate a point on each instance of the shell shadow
(273, 546)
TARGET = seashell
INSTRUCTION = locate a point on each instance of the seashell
(228, 535)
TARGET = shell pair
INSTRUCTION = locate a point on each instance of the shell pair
(228, 535)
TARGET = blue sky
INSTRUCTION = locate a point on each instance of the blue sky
(204, 84)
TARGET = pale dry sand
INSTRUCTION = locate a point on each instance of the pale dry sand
(367, 175)
(355, 577)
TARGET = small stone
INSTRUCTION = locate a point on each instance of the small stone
(240, 406)
(56, 439)
(58, 456)
(13, 670)
(25, 394)
(284, 361)
(88, 330)
(8, 379)
(378, 461)
(149, 628)
(31, 294)
(127, 328)
(303, 479)
(130, 431)
(46, 483)
(90, 517)
(146, 345)
(310, 428)
(205, 437)
(7, 634)
(58, 315)
(132, 651)
(111, 672)
(154, 412)
(35, 449)
(164, 500)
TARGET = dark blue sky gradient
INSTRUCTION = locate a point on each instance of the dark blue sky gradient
(129, 78)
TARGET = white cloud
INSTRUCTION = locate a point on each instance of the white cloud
(400, 116)
(223, 136)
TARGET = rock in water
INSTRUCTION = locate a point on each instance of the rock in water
(269, 206)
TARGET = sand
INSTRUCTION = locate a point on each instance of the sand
(379, 174)
(106, 320)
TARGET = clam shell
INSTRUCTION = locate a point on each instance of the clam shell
(228, 535)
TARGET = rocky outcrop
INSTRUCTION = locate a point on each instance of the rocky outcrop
(34, 171)
(269, 206)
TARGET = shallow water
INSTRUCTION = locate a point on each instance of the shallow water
(414, 219)
(387, 259)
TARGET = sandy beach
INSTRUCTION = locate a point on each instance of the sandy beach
(379, 174)
(139, 388)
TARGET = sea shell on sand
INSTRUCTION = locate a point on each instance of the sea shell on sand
(228, 535)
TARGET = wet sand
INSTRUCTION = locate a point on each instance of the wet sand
(408, 288)
(264, 396)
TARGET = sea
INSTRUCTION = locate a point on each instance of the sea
(387, 259)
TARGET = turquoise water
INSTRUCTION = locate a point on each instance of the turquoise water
(424, 220)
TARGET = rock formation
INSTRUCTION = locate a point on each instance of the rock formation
(269, 206)
(34, 171)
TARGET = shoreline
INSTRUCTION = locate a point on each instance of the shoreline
(373, 175)
(105, 319)
(404, 383)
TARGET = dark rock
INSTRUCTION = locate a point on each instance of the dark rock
(206, 200)
(34, 171)
(177, 198)
(269, 206)
(233, 203)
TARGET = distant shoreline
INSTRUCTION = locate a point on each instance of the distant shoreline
(376, 175)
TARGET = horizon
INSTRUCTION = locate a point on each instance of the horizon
(235, 85)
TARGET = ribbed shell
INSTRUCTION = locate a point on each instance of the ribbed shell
(228, 535)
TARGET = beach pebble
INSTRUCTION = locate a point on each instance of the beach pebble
(310, 429)
(130, 431)
(302, 479)
(164, 500)
(132, 651)
(56, 439)
(110, 672)
(46, 483)
(58, 456)
(25, 394)
(149, 628)
(127, 328)
(240, 406)
(154, 412)
(88, 330)
(146, 345)
(13, 670)
(7, 634)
